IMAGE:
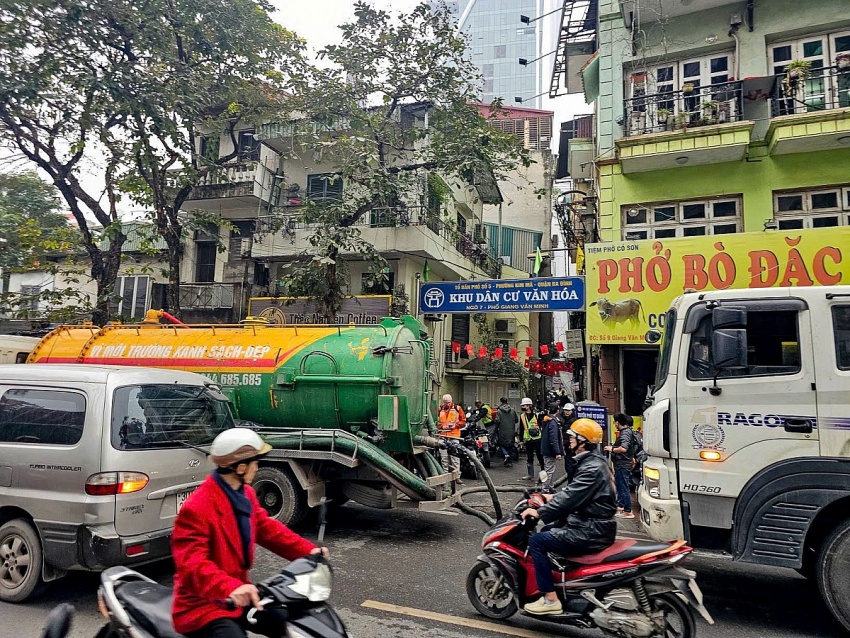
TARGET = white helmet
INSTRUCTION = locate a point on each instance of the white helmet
(237, 445)
(526, 401)
(570, 407)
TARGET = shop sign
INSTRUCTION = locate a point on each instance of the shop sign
(543, 294)
(630, 284)
(364, 309)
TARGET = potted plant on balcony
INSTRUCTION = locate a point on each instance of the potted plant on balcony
(681, 121)
(842, 61)
(709, 111)
(663, 116)
(688, 88)
(798, 70)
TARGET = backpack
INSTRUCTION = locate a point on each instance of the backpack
(637, 452)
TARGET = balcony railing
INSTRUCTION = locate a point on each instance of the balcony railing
(685, 109)
(400, 217)
(208, 296)
(825, 88)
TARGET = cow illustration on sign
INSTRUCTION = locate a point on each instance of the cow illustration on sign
(620, 311)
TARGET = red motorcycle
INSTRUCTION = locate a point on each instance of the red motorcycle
(633, 588)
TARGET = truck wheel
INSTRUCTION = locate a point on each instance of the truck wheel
(280, 495)
(832, 569)
(20, 560)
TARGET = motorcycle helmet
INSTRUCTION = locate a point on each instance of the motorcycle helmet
(526, 401)
(237, 445)
(586, 430)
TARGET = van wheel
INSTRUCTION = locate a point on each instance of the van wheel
(20, 561)
(832, 569)
(280, 495)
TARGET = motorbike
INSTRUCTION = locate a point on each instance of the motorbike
(633, 588)
(479, 435)
(138, 607)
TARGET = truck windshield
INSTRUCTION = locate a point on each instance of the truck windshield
(157, 416)
(666, 349)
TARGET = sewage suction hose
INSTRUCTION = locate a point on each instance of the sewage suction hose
(408, 482)
(488, 520)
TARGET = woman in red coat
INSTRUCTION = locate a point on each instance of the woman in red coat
(213, 545)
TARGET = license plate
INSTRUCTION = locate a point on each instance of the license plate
(484, 439)
(181, 498)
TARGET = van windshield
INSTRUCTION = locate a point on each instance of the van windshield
(666, 349)
(161, 416)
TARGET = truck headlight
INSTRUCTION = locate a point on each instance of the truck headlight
(652, 481)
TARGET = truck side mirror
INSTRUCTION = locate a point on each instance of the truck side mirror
(728, 350)
(652, 336)
(728, 317)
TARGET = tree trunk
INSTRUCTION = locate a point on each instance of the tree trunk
(104, 271)
(175, 259)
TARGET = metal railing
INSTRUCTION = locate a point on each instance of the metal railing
(206, 296)
(400, 217)
(688, 108)
(820, 90)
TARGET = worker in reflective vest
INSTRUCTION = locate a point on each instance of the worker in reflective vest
(451, 418)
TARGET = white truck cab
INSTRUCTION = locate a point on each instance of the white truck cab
(748, 432)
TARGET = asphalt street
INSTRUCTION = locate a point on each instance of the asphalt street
(402, 572)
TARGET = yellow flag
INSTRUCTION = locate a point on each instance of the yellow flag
(538, 261)
(579, 259)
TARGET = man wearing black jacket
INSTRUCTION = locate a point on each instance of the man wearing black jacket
(580, 518)
(567, 418)
(551, 443)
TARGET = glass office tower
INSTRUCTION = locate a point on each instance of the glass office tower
(498, 40)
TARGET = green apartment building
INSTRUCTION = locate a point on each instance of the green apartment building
(712, 118)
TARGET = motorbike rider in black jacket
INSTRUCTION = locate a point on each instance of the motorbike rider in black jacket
(580, 518)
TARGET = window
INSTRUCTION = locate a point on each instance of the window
(248, 147)
(682, 219)
(670, 77)
(500, 51)
(824, 88)
(377, 283)
(841, 330)
(208, 148)
(821, 208)
(29, 297)
(47, 417)
(205, 257)
(324, 187)
(162, 416)
(773, 346)
(131, 297)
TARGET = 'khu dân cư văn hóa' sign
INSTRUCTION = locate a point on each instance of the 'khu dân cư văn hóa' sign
(630, 284)
(503, 295)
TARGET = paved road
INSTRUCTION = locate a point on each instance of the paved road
(393, 568)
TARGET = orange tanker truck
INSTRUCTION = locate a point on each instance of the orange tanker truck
(346, 407)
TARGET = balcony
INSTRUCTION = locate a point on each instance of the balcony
(392, 231)
(699, 125)
(233, 188)
(811, 114)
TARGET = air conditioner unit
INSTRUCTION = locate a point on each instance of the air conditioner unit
(435, 317)
(508, 326)
(480, 234)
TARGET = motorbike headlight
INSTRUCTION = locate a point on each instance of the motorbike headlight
(652, 481)
(315, 586)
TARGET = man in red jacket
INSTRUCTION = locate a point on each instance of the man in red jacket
(213, 545)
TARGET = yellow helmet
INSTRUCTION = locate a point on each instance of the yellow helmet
(587, 429)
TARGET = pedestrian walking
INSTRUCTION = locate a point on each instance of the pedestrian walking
(623, 457)
(551, 443)
(567, 417)
(529, 434)
(506, 429)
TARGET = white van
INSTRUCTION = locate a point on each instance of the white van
(95, 463)
(16, 349)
